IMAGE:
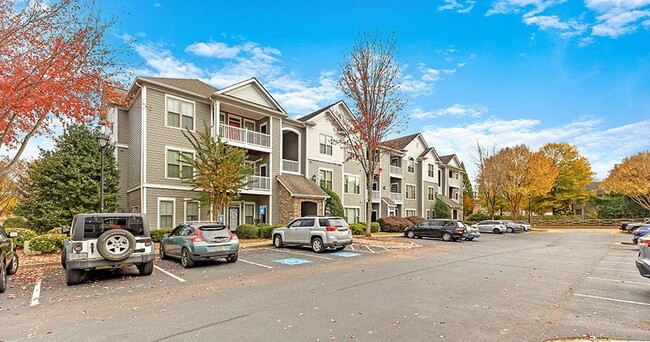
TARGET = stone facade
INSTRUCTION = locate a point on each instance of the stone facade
(291, 206)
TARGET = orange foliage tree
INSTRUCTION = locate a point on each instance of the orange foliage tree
(632, 178)
(55, 66)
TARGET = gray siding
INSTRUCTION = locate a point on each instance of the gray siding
(122, 156)
(133, 201)
(153, 195)
(275, 165)
(134, 123)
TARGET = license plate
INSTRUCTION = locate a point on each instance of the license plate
(218, 248)
(342, 233)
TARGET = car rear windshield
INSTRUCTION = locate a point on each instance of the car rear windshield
(332, 222)
(214, 232)
(95, 226)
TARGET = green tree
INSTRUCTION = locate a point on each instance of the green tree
(441, 210)
(219, 170)
(468, 192)
(612, 207)
(65, 181)
(336, 208)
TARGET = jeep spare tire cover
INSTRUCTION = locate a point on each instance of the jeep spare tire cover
(116, 244)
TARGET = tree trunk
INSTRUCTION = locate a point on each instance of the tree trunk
(369, 179)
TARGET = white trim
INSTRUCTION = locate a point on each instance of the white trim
(177, 149)
(415, 190)
(330, 145)
(325, 169)
(324, 161)
(143, 150)
(428, 212)
(259, 170)
(358, 183)
(266, 125)
(358, 218)
(269, 205)
(261, 88)
(415, 212)
(180, 122)
(166, 199)
(121, 145)
(193, 200)
(299, 146)
(133, 189)
(248, 120)
(244, 211)
(434, 193)
(170, 187)
(216, 117)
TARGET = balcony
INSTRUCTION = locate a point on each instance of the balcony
(376, 196)
(290, 166)
(395, 197)
(258, 185)
(245, 138)
(395, 171)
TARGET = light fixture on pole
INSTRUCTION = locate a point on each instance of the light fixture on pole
(528, 208)
(102, 140)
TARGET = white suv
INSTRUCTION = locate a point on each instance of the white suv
(99, 241)
(318, 232)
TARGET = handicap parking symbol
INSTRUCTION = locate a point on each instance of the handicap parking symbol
(346, 254)
(292, 261)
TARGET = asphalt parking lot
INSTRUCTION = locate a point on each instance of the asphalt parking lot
(510, 287)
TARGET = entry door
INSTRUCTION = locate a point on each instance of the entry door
(233, 217)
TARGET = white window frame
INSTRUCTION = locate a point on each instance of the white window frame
(327, 170)
(329, 142)
(178, 149)
(406, 193)
(358, 213)
(192, 200)
(410, 165)
(180, 122)
(259, 170)
(166, 199)
(357, 184)
(431, 191)
(243, 126)
(409, 211)
(264, 124)
(428, 214)
(431, 170)
(243, 211)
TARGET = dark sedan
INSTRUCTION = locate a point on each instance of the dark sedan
(8, 257)
(641, 232)
(447, 230)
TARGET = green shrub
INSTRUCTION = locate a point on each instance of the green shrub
(266, 229)
(248, 231)
(15, 222)
(441, 210)
(157, 234)
(24, 234)
(358, 229)
(334, 202)
(374, 227)
(47, 243)
(394, 223)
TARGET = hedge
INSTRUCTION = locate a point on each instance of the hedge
(248, 231)
(24, 234)
(266, 229)
(358, 229)
(47, 243)
(157, 234)
(394, 223)
(15, 222)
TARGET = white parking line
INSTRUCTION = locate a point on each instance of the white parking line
(371, 251)
(619, 281)
(611, 299)
(253, 263)
(298, 253)
(37, 294)
(612, 269)
(170, 274)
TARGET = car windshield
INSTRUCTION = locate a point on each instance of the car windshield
(96, 226)
(214, 232)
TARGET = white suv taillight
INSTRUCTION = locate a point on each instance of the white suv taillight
(77, 246)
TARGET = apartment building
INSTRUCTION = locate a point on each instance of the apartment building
(292, 158)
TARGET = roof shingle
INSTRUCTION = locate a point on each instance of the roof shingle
(191, 85)
(301, 186)
(399, 143)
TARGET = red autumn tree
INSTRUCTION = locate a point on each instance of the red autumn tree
(369, 78)
(55, 66)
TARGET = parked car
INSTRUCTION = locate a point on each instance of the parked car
(319, 232)
(472, 232)
(194, 241)
(491, 226)
(512, 226)
(447, 230)
(631, 226)
(8, 257)
(643, 260)
(641, 232)
(106, 241)
(525, 225)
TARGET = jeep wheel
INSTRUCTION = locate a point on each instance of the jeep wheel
(116, 244)
(317, 245)
(13, 267)
(3, 278)
(277, 241)
(232, 258)
(63, 257)
(73, 277)
(186, 259)
(146, 268)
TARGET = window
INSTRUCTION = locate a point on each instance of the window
(326, 179)
(191, 211)
(326, 144)
(180, 113)
(428, 214)
(431, 193)
(451, 174)
(352, 215)
(410, 212)
(410, 191)
(456, 195)
(410, 164)
(456, 174)
(166, 212)
(431, 170)
(439, 176)
(351, 184)
(175, 166)
(249, 213)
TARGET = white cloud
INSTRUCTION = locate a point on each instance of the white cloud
(161, 62)
(213, 49)
(461, 7)
(532, 7)
(299, 97)
(616, 23)
(424, 82)
(456, 110)
(157, 4)
(601, 146)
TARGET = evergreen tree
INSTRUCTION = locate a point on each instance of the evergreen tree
(441, 210)
(65, 181)
(334, 202)
(468, 192)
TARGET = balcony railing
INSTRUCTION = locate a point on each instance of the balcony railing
(258, 183)
(376, 196)
(395, 171)
(290, 166)
(244, 137)
(395, 197)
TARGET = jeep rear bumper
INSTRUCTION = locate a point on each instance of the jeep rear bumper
(103, 263)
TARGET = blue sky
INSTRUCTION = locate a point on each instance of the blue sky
(498, 72)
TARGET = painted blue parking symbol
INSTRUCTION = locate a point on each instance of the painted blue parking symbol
(291, 261)
(346, 254)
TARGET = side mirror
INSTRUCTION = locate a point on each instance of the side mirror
(13, 234)
(65, 231)
(166, 235)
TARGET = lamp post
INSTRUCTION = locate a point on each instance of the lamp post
(528, 208)
(102, 140)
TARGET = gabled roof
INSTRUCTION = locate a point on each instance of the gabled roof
(316, 113)
(430, 149)
(299, 186)
(448, 158)
(188, 84)
(253, 91)
(400, 143)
